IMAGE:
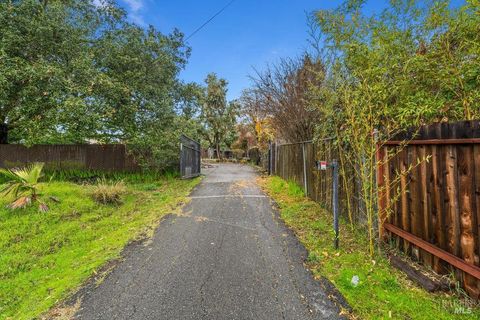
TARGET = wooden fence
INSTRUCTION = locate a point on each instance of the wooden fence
(428, 182)
(429, 197)
(297, 162)
(89, 156)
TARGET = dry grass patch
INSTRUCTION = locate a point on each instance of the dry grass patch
(108, 192)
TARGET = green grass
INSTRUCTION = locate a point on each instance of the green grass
(44, 257)
(383, 292)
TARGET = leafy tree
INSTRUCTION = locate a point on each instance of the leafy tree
(251, 108)
(218, 115)
(140, 84)
(413, 63)
(46, 69)
(418, 60)
(189, 100)
(76, 71)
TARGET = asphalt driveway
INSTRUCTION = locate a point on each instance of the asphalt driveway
(227, 256)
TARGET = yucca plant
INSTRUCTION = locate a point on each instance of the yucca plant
(22, 184)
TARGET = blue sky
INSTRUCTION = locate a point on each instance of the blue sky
(248, 34)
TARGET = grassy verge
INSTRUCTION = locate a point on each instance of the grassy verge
(383, 292)
(45, 256)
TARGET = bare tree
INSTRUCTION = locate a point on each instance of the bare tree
(281, 92)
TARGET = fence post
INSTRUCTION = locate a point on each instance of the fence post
(304, 170)
(270, 158)
(276, 157)
(199, 159)
(380, 185)
(3, 133)
(335, 202)
(181, 159)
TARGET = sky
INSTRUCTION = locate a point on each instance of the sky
(248, 35)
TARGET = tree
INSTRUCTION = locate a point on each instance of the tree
(72, 71)
(189, 100)
(218, 115)
(75, 71)
(281, 92)
(46, 69)
(140, 85)
(413, 63)
(255, 116)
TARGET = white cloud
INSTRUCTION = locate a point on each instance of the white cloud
(98, 3)
(138, 19)
(134, 9)
(135, 5)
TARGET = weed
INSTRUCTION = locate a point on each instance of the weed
(313, 258)
(149, 187)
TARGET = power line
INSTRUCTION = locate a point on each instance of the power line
(209, 20)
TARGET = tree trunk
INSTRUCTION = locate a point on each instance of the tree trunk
(219, 156)
(3, 133)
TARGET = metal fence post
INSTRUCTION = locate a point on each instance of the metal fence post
(270, 158)
(335, 202)
(304, 170)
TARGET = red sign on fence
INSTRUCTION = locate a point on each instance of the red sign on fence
(323, 165)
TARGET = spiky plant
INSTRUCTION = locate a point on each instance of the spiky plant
(108, 192)
(22, 184)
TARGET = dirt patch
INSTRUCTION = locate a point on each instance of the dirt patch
(237, 187)
(63, 312)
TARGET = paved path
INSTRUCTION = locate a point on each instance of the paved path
(226, 257)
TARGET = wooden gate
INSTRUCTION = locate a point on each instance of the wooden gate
(190, 158)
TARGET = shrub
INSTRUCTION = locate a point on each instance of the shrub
(106, 192)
